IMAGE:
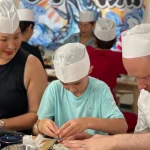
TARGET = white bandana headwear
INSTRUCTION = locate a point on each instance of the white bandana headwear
(86, 16)
(25, 15)
(9, 21)
(105, 29)
(71, 62)
(136, 41)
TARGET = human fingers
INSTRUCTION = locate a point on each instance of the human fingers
(75, 144)
(63, 127)
(49, 132)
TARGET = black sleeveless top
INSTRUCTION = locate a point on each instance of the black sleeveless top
(13, 95)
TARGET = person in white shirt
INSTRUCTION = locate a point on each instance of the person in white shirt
(143, 123)
(136, 59)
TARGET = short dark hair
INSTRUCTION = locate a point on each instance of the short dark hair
(25, 24)
(105, 44)
(92, 22)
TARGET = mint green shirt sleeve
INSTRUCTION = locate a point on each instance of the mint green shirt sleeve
(47, 106)
(109, 109)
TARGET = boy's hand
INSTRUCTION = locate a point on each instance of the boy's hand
(72, 127)
(48, 127)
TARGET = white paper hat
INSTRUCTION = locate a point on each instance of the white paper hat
(9, 21)
(71, 62)
(105, 29)
(25, 15)
(136, 41)
(86, 16)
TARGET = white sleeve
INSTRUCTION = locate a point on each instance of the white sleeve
(142, 126)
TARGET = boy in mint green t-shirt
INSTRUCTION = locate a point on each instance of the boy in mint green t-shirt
(77, 102)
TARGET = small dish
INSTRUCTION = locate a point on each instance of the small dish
(8, 139)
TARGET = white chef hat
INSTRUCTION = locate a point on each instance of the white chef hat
(136, 41)
(86, 16)
(9, 21)
(25, 15)
(71, 62)
(105, 29)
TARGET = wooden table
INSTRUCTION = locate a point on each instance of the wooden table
(129, 85)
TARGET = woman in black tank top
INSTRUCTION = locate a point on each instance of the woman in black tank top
(22, 77)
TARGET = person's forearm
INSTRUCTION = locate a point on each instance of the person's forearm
(132, 142)
(22, 122)
(111, 126)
